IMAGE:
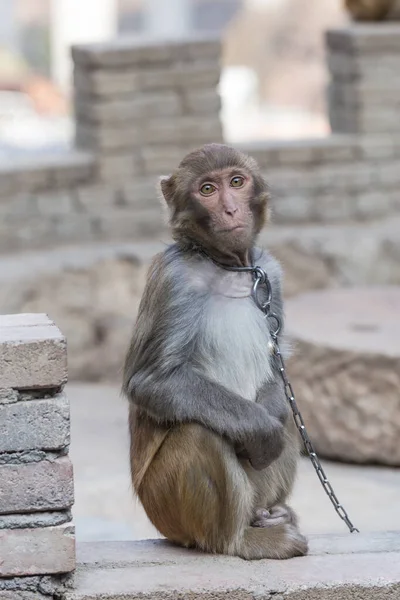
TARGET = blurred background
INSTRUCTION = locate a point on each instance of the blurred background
(80, 153)
(271, 47)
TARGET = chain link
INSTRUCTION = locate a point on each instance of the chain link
(260, 279)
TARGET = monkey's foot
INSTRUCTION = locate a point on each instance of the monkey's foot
(277, 515)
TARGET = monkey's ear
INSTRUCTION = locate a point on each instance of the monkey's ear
(166, 188)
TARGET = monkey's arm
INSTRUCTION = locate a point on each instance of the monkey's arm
(272, 396)
(161, 378)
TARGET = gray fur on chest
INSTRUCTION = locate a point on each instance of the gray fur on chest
(234, 345)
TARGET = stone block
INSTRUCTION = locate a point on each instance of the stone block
(130, 110)
(114, 168)
(388, 173)
(200, 101)
(36, 486)
(37, 551)
(295, 208)
(377, 147)
(33, 356)
(365, 38)
(19, 205)
(373, 204)
(72, 168)
(358, 349)
(132, 225)
(21, 595)
(73, 228)
(95, 198)
(125, 52)
(55, 203)
(334, 207)
(195, 130)
(178, 130)
(140, 193)
(199, 75)
(35, 424)
(161, 160)
(105, 83)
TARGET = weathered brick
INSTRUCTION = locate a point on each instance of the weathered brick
(45, 550)
(186, 129)
(139, 192)
(71, 168)
(293, 209)
(31, 356)
(21, 205)
(112, 168)
(20, 595)
(47, 485)
(122, 52)
(133, 52)
(132, 225)
(35, 424)
(161, 160)
(72, 228)
(372, 204)
(105, 83)
(201, 101)
(95, 197)
(366, 37)
(182, 76)
(55, 203)
(140, 106)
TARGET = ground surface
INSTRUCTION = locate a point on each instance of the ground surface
(338, 567)
(105, 509)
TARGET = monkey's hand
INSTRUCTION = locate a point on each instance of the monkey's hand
(264, 446)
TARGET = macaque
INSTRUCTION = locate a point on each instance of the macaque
(373, 10)
(213, 446)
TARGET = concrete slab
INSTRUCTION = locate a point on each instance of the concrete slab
(158, 570)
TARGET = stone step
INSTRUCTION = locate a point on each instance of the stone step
(339, 567)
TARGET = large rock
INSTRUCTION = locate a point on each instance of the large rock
(345, 371)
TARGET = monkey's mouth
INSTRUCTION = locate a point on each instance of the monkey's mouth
(228, 230)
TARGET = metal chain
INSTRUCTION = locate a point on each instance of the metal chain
(260, 279)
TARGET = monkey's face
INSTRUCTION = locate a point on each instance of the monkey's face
(217, 198)
(223, 200)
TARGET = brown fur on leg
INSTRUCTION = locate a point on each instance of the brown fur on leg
(196, 493)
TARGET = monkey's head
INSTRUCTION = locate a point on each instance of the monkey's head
(217, 199)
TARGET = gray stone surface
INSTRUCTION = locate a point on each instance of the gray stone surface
(19, 341)
(367, 568)
(35, 424)
(124, 51)
(36, 486)
(14, 595)
(347, 371)
(37, 551)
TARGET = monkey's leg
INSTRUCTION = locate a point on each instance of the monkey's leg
(197, 493)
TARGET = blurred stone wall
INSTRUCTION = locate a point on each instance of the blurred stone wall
(94, 217)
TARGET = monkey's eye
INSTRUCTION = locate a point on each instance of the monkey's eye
(207, 189)
(237, 181)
